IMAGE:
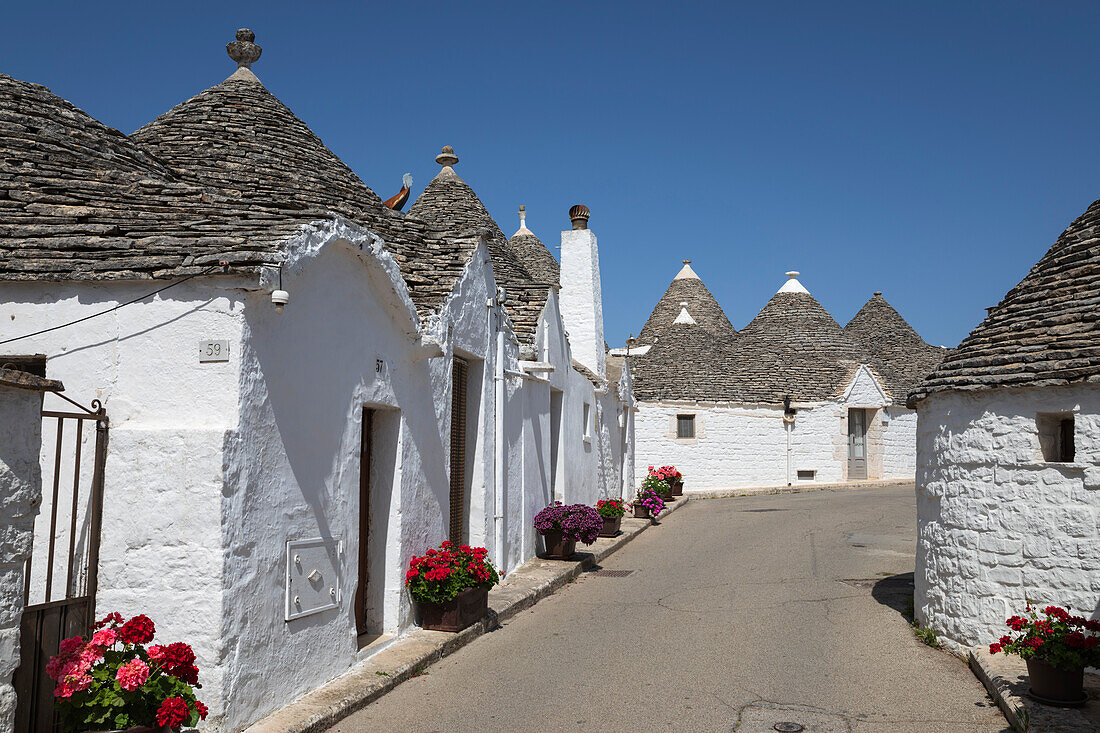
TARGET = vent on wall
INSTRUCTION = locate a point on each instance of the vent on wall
(807, 475)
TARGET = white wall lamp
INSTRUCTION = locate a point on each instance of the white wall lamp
(280, 297)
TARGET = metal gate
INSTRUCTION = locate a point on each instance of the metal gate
(60, 576)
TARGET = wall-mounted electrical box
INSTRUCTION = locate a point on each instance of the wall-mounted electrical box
(312, 576)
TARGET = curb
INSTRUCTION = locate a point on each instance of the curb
(1006, 680)
(795, 489)
(418, 649)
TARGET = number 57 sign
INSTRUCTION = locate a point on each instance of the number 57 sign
(213, 351)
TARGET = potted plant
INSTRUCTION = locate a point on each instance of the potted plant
(612, 511)
(647, 502)
(1057, 648)
(112, 681)
(662, 481)
(451, 584)
(562, 527)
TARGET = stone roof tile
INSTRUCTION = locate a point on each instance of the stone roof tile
(1046, 330)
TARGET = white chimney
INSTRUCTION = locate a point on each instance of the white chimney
(581, 299)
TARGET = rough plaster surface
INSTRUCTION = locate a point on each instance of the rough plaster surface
(997, 525)
(20, 498)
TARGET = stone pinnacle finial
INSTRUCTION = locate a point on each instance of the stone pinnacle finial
(243, 50)
(792, 274)
(686, 262)
(522, 217)
(878, 292)
(447, 157)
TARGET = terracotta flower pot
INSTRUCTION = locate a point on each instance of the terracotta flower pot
(468, 607)
(678, 487)
(642, 512)
(611, 526)
(1055, 686)
(557, 547)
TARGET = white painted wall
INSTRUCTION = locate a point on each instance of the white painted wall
(21, 492)
(996, 524)
(161, 539)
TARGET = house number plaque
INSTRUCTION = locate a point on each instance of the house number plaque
(213, 351)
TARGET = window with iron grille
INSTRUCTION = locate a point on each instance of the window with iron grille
(685, 426)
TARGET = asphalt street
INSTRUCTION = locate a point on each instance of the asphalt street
(736, 614)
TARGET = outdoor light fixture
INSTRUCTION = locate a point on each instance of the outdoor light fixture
(280, 297)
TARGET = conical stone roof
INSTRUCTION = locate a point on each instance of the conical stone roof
(686, 363)
(238, 139)
(1046, 330)
(794, 347)
(449, 203)
(686, 287)
(898, 353)
(534, 255)
(81, 201)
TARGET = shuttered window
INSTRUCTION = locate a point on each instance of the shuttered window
(685, 426)
(459, 373)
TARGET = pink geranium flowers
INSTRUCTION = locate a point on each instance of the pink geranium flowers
(112, 681)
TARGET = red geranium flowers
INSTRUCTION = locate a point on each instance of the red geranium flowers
(1061, 639)
(441, 574)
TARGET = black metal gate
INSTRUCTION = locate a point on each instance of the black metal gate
(60, 576)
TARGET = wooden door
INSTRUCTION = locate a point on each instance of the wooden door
(459, 374)
(857, 444)
(361, 596)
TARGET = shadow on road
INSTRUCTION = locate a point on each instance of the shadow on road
(896, 591)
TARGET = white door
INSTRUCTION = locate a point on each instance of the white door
(857, 444)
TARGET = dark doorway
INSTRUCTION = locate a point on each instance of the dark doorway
(459, 377)
(361, 594)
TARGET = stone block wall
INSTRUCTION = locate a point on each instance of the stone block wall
(997, 525)
(20, 498)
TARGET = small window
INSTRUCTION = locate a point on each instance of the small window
(806, 475)
(1056, 436)
(587, 432)
(685, 426)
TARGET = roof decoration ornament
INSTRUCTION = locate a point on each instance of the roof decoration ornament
(447, 157)
(792, 285)
(397, 201)
(686, 273)
(243, 50)
(522, 222)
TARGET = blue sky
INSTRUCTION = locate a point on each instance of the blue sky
(933, 151)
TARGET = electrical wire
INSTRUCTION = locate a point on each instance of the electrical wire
(115, 308)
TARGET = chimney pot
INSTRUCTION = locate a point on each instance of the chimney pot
(579, 216)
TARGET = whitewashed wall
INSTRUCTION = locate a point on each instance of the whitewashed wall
(161, 542)
(997, 525)
(20, 497)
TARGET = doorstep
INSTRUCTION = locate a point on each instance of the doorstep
(1005, 677)
(418, 649)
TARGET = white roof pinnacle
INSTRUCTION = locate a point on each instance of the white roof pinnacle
(686, 273)
(522, 222)
(792, 285)
(684, 316)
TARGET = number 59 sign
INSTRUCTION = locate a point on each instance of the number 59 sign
(213, 351)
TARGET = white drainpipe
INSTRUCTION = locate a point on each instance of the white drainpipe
(498, 468)
(788, 421)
